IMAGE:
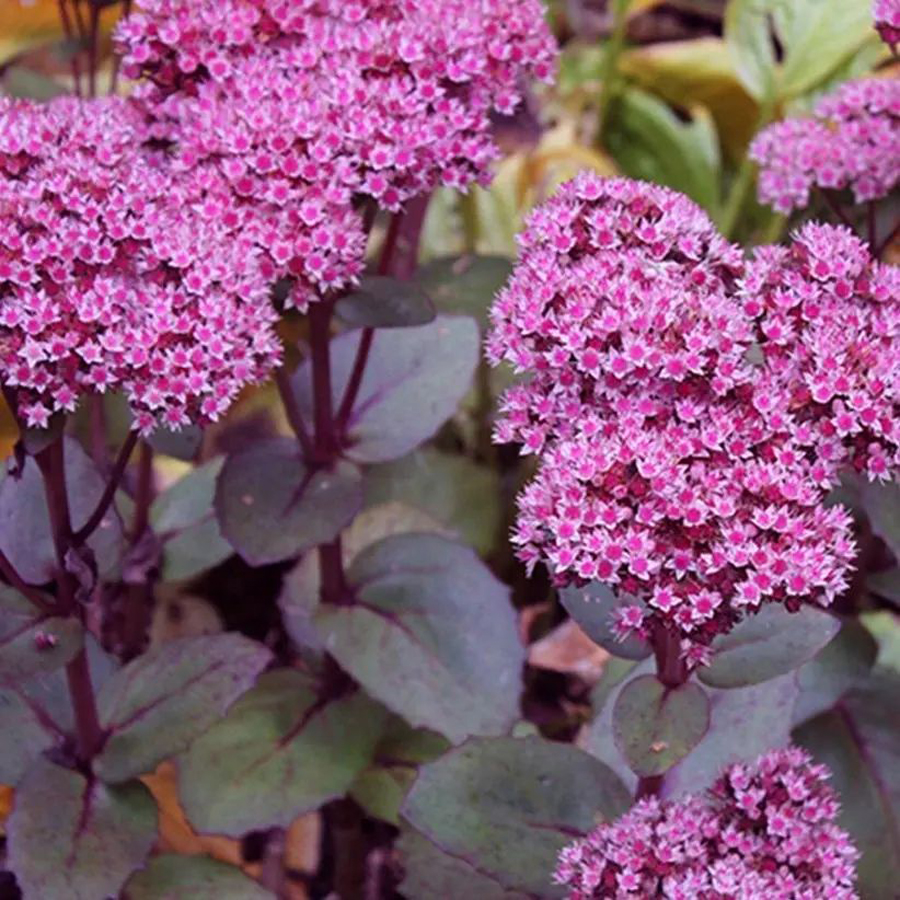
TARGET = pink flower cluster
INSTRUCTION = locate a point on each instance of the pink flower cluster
(691, 410)
(887, 20)
(115, 276)
(766, 830)
(850, 143)
(311, 105)
(830, 317)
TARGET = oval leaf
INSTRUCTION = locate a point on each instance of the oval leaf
(592, 608)
(431, 634)
(882, 505)
(271, 507)
(834, 670)
(767, 644)
(74, 838)
(157, 704)
(430, 872)
(31, 642)
(277, 754)
(25, 535)
(655, 727)
(507, 806)
(413, 382)
(196, 877)
(184, 518)
(860, 744)
(382, 302)
(465, 285)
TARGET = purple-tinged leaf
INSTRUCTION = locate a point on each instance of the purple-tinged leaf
(414, 380)
(882, 505)
(161, 701)
(834, 670)
(743, 724)
(592, 607)
(25, 535)
(860, 743)
(74, 838)
(184, 519)
(506, 806)
(655, 727)
(382, 302)
(279, 752)
(271, 507)
(428, 871)
(431, 635)
(767, 644)
(170, 876)
(31, 642)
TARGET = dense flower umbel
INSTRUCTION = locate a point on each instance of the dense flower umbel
(887, 20)
(830, 315)
(670, 466)
(765, 830)
(314, 103)
(851, 142)
(115, 276)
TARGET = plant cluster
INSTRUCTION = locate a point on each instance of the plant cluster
(327, 524)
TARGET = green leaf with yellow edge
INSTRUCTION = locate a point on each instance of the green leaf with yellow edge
(699, 72)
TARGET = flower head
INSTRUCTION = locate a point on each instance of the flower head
(383, 99)
(850, 143)
(887, 20)
(673, 467)
(115, 275)
(764, 830)
(832, 318)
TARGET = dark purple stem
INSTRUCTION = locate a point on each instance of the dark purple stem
(398, 258)
(292, 411)
(837, 209)
(872, 225)
(112, 485)
(12, 576)
(88, 732)
(671, 670)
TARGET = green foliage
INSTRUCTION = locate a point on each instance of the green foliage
(271, 506)
(769, 643)
(281, 751)
(413, 382)
(430, 634)
(71, 836)
(197, 877)
(654, 727)
(157, 704)
(32, 642)
(506, 806)
(381, 302)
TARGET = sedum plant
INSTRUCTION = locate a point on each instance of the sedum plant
(276, 617)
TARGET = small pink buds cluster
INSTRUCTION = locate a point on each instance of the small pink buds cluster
(116, 276)
(887, 21)
(850, 143)
(311, 106)
(766, 830)
(692, 411)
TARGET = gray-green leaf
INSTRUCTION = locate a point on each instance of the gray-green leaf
(157, 704)
(431, 634)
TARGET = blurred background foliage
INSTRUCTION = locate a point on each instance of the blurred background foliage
(670, 92)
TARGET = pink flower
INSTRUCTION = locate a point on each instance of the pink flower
(115, 276)
(386, 100)
(841, 369)
(887, 20)
(850, 143)
(764, 830)
(678, 468)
